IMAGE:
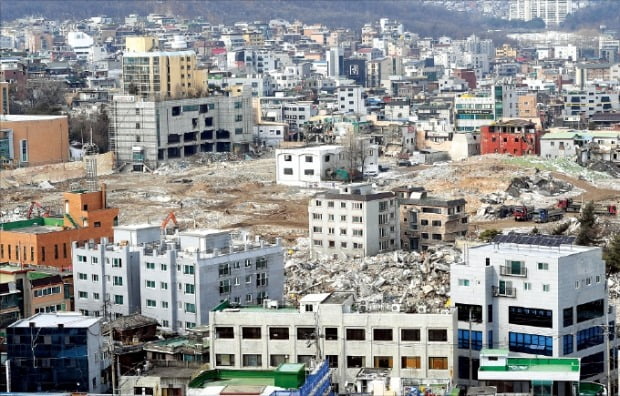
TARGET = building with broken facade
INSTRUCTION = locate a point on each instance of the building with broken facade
(428, 221)
(145, 133)
(535, 295)
(353, 221)
(175, 281)
(310, 165)
(514, 137)
(413, 349)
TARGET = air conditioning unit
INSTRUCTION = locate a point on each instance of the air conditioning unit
(396, 307)
(362, 308)
(421, 309)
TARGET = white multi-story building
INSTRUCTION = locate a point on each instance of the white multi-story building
(415, 349)
(311, 165)
(588, 102)
(553, 12)
(176, 281)
(534, 295)
(353, 221)
(350, 99)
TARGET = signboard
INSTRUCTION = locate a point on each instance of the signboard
(474, 111)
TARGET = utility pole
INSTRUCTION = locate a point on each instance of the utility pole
(470, 340)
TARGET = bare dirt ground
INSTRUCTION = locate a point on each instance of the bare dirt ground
(243, 194)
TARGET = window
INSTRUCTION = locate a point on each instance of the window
(464, 310)
(527, 286)
(309, 172)
(288, 171)
(163, 285)
(382, 334)
(150, 266)
(117, 263)
(567, 314)
(589, 337)
(151, 303)
(383, 362)
(463, 282)
(358, 233)
(356, 361)
(150, 284)
(248, 263)
(305, 333)
(278, 333)
(410, 334)
(437, 363)
(464, 339)
(224, 359)
(530, 316)
(224, 269)
(191, 308)
(288, 158)
(331, 333)
(410, 362)
(546, 287)
(356, 334)
(357, 219)
(438, 335)
(543, 266)
(225, 286)
(118, 299)
(188, 269)
(117, 281)
(82, 276)
(164, 305)
(82, 294)
(251, 333)
(190, 288)
(568, 344)
(252, 360)
(224, 332)
(530, 343)
(238, 118)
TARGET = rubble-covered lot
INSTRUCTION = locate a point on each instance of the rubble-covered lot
(420, 282)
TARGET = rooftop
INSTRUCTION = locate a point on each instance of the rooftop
(33, 117)
(67, 319)
(37, 225)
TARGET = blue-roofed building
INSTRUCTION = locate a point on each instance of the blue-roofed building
(57, 352)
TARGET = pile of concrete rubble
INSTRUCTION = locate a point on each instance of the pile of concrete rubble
(420, 282)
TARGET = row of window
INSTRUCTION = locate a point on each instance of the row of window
(226, 285)
(332, 244)
(343, 218)
(331, 333)
(354, 205)
(47, 291)
(13, 253)
(406, 362)
(226, 268)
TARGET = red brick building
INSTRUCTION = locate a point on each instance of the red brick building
(515, 137)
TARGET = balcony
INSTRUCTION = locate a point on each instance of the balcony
(512, 271)
(504, 291)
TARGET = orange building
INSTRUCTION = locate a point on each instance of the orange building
(30, 140)
(46, 241)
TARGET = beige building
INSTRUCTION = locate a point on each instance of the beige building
(353, 221)
(160, 74)
(426, 221)
(31, 140)
(526, 106)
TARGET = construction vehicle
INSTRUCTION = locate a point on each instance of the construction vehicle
(523, 213)
(545, 215)
(603, 209)
(599, 208)
(568, 205)
(164, 224)
(33, 204)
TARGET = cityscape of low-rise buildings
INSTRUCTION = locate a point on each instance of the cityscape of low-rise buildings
(94, 300)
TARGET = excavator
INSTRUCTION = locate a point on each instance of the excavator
(33, 204)
(168, 219)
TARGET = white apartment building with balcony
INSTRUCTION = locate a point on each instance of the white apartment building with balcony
(414, 349)
(175, 280)
(533, 295)
(353, 221)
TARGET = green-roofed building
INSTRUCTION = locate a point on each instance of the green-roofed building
(538, 376)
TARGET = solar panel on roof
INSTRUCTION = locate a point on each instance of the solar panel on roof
(539, 240)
